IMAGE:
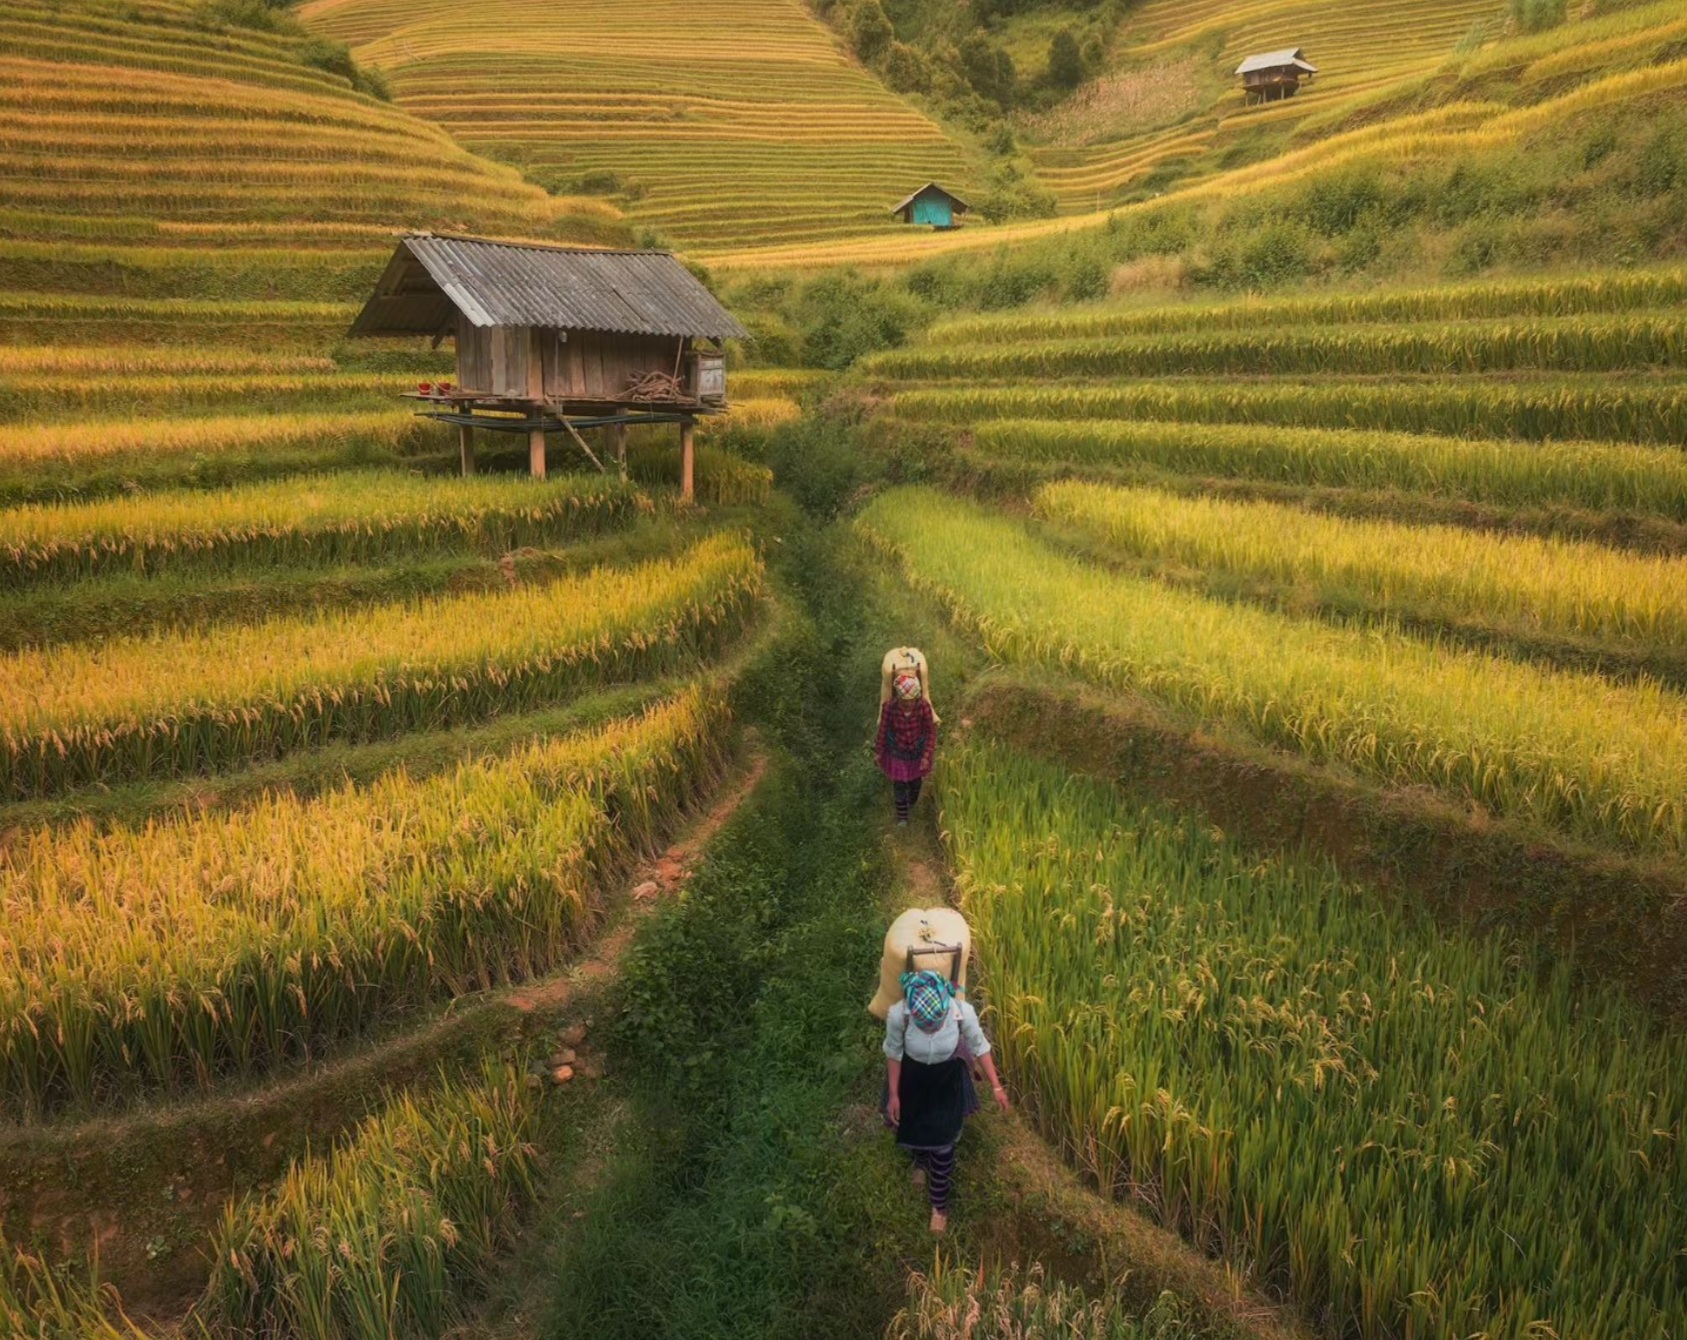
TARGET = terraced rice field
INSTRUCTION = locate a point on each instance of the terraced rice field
(144, 130)
(1392, 1122)
(394, 743)
(720, 128)
(1497, 107)
(193, 461)
(1418, 548)
(1358, 49)
(190, 207)
(1368, 55)
(1604, 763)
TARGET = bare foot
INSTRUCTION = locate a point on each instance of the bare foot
(919, 1176)
(939, 1222)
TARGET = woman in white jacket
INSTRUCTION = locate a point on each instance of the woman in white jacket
(930, 1037)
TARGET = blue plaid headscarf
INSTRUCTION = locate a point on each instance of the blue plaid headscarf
(928, 995)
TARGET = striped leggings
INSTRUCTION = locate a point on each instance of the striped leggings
(939, 1165)
(906, 795)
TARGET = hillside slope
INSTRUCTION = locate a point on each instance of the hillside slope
(1532, 150)
(1155, 118)
(717, 126)
(155, 149)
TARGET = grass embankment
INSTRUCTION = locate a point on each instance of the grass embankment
(1396, 1125)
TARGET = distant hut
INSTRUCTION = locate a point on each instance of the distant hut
(933, 205)
(1275, 75)
(556, 339)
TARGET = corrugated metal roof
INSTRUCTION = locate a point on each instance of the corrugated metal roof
(523, 284)
(1273, 59)
(929, 186)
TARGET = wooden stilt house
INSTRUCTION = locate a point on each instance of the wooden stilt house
(557, 340)
(1275, 75)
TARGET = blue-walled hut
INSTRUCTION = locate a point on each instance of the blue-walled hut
(932, 205)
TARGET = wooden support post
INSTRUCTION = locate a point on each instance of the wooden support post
(620, 434)
(536, 394)
(687, 461)
(465, 445)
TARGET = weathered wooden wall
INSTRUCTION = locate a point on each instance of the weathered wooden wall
(587, 365)
(593, 365)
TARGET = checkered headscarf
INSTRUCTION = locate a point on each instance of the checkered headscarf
(928, 995)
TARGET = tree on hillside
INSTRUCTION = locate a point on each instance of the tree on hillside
(870, 31)
(1066, 62)
(906, 70)
(988, 69)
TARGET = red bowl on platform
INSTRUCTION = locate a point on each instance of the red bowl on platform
(424, 388)
(442, 388)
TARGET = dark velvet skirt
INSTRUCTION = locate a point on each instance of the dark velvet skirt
(936, 1100)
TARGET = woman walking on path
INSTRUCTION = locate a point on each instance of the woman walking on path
(930, 1037)
(906, 742)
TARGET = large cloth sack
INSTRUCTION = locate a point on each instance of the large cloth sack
(904, 661)
(934, 935)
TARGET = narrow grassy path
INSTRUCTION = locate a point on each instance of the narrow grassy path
(731, 1174)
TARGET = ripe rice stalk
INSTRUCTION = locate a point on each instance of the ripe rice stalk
(1548, 586)
(1574, 344)
(1392, 1122)
(320, 520)
(143, 360)
(198, 947)
(77, 460)
(1586, 294)
(1605, 763)
(1547, 409)
(178, 703)
(1597, 476)
(41, 396)
(719, 476)
(392, 1231)
(42, 1301)
(955, 1301)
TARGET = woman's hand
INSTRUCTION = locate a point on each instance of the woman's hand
(1001, 1095)
(893, 1109)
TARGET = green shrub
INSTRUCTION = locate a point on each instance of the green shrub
(906, 70)
(1537, 15)
(843, 316)
(1066, 62)
(989, 70)
(870, 31)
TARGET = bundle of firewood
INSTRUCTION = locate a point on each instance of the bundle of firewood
(656, 386)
